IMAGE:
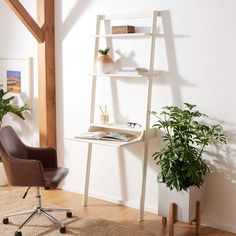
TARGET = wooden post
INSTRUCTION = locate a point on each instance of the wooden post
(43, 31)
(46, 71)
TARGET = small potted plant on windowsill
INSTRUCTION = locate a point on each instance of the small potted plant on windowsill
(6, 106)
(182, 166)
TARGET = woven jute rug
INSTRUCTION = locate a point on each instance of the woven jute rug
(77, 225)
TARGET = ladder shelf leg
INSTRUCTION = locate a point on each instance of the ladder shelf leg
(148, 106)
(87, 175)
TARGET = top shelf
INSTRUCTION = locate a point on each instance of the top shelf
(131, 15)
(127, 35)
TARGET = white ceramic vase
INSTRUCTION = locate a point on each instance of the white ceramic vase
(104, 64)
(185, 201)
(3, 177)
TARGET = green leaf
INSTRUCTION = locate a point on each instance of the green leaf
(104, 51)
(6, 106)
(185, 138)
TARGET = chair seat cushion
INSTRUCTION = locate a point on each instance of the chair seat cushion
(53, 176)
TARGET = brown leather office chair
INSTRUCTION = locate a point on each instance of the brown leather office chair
(29, 166)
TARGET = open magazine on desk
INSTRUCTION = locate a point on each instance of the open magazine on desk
(110, 136)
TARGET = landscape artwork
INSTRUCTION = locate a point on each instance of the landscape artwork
(14, 81)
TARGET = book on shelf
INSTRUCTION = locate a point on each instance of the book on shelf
(132, 70)
(123, 29)
(109, 136)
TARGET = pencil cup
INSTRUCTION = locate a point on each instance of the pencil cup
(104, 119)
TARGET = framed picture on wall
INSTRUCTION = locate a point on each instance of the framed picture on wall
(16, 76)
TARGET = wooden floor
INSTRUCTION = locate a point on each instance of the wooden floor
(121, 214)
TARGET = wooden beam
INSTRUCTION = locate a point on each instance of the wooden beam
(27, 19)
(46, 69)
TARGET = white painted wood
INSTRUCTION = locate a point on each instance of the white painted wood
(113, 128)
(93, 92)
(131, 15)
(185, 201)
(119, 126)
(3, 177)
(92, 107)
(140, 132)
(141, 135)
(148, 108)
(87, 175)
(118, 75)
(127, 35)
(115, 144)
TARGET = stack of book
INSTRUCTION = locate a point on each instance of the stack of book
(132, 71)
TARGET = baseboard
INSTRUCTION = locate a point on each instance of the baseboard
(109, 199)
(148, 209)
(227, 228)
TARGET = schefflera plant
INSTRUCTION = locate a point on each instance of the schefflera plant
(185, 139)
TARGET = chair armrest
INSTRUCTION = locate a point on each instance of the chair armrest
(26, 172)
(47, 156)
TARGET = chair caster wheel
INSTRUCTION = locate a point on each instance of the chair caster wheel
(18, 233)
(5, 221)
(68, 214)
(62, 230)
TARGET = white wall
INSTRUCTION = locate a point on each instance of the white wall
(17, 42)
(197, 59)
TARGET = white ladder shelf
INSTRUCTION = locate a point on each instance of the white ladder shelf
(144, 134)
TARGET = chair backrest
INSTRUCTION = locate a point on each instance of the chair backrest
(14, 154)
(11, 143)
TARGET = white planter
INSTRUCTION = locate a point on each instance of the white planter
(185, 201)
(104, 64)
(3, 177)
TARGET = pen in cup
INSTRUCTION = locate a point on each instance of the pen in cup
(104, 117)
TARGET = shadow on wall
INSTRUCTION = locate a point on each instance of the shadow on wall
(62, 29)
(222, 155)
(170, 77)
(221, 182)
(137, 150)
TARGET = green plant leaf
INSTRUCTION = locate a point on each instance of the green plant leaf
(185, 138)
(6, 106)
(104, 51)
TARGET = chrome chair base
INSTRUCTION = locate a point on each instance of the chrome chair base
(38, 210)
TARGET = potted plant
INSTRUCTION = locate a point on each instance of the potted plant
(7, 106)
(182, 166)
(104, 62)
